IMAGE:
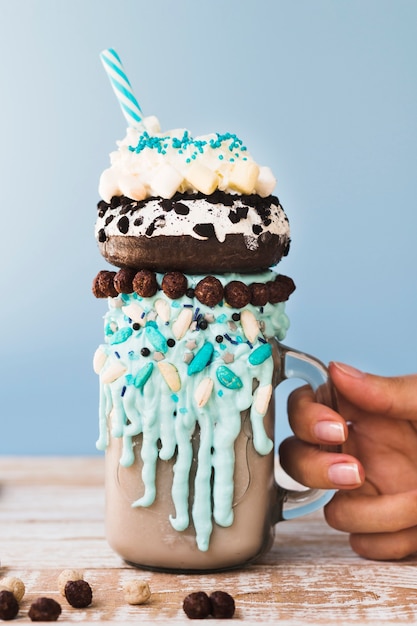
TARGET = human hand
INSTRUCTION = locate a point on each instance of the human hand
(376, 471)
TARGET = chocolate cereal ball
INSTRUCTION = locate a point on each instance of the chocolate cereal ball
(197, 605)
(174, 285)
(222, 605)
(78, 593)
(237, 294)
(144, 283)
(123, 281)
(9, 606)
(259, 294)
(280, 289)
(44, 610)
(103, 285)
(209, 291)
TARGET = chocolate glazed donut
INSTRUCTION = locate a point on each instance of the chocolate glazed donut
(194, 233)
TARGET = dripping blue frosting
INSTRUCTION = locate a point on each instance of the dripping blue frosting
(169, 366)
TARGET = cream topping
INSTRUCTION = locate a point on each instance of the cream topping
(149, 162)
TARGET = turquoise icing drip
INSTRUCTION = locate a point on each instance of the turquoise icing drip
(161, 395)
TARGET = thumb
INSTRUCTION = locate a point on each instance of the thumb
(394, 397)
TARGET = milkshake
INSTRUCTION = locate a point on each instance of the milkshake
(192, 347)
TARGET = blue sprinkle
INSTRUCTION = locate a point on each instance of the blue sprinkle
(221, 318)
(174, 397)
(117, 355)
(261, 339)
(184, 410)
(122, 393)
(228, 337)
(188, 306)
(220, 393)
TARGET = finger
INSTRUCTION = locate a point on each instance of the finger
(313, 467)
(394, 397)
(385, 546)
(313, 422)
(360, 513)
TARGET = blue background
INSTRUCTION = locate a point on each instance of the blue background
(325, 92)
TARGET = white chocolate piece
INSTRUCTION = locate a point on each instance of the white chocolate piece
(202, 178)
(243, 177)
(13, 584)
(203, 391)
(135, 312)
(263, 396)
(136, 592)
(66, 575)
(114, 371)
(266, 182)
(99, 359)
(165, 181)
(109, 185)
(182, 323)
(250, 325)
(170, 375)
(132, 187)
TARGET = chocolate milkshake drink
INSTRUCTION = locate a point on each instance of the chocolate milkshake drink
(192, 347)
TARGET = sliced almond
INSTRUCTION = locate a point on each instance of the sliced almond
(163, 309)
(203, 391)
(112, 373)
(182, 323)
(250, 325)
(170, 375)
(99, 359)
(263, 397)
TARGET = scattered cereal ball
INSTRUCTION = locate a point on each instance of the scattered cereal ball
(174, 285)
(78, 593)
(15, 585)
(44, 610)
(66, 575)
(123, 281)
(209, 291)
(222, 605)
(259, 294)
(103, 286)
(144, 283)
(280, 289)
(9, 606)
(197, 605)
(237, 294)
(136, 592)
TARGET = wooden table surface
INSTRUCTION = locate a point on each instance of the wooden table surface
(51, 518)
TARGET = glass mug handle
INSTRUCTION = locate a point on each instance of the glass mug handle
(296, 364)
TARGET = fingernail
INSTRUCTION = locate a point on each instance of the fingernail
(349, 370)
(344, 474)
(332, 432)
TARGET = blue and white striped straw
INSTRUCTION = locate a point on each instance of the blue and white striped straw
(121, 86)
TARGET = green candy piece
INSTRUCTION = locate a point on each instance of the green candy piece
(227, 378)
(143, 375)
(260, 355)
(201, 359)
(121, 335)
